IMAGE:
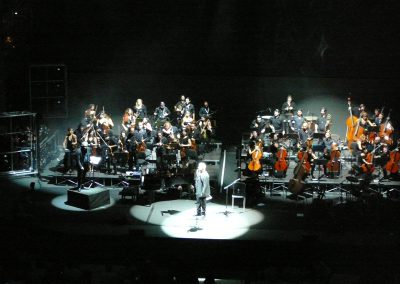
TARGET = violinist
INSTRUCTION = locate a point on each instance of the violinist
(206, 130)
(323, 122)
(276, 122)
(168, 130)
(140, 109)
(105, 122)
(187, 119)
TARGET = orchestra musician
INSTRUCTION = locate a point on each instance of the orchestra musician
(276, 122)
(258, 125)
(205, 110)
(323, 122)
(105, 122)
(297, 121)
(189, 107)
(305, 134)
(160, 143)
(140, 109)
(90, 114)
(288, 107)
(162, 112)
(179, 108)
(358, 110)
(70, 145)
(187, 119)
(128, 119)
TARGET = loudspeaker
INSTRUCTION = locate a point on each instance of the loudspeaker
(88, 199)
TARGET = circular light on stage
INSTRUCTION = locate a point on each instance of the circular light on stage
(177, 219)
(60, 203)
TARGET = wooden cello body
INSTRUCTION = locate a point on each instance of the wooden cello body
(256, 155)
(392, 166)
(281, 164)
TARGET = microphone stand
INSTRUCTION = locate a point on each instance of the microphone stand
(226, 213)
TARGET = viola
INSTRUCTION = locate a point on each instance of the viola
(281, 164)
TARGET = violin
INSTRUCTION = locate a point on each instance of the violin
(256, 155)
(281, 164)
(392, 166)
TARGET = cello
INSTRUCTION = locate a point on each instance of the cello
(368, 166)
(392, 166)
(256, 155)
(333, 165)
(350, 125)
(281, 164)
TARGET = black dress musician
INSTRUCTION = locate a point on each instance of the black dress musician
(140, 109)
(70, 145)
(132, 140)
(82, 157)
(276, 122)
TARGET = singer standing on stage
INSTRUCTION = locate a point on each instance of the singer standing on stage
(202, 185)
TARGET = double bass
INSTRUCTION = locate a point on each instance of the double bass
(296, 184)
(256, 155)
(351, 124)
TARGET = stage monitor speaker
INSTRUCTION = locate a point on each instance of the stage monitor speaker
(88, 199)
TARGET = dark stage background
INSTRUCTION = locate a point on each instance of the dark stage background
(241, 56)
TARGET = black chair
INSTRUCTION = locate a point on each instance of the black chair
(239, 191)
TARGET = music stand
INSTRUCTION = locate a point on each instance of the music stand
(94, 161)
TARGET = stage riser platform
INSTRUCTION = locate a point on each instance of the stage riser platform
(88, 199)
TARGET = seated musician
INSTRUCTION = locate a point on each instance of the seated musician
(162, 112)
(128, 119)
(168, 130)
(385, 129)
(140, 109)
(323, 122)
(258, 125)
(276, 122)
(206, 130)
(364, 121)
(328, 141)
(187, 119)
(375, 117)
(187, 151)
(105, 122)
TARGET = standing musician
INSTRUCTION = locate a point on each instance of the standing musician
(288, 107)
(186, 150)
(131, 142)
(70, 145)
(258, 125)
(179, 108)
(82, 157)
(323, 122)
(90, 114)
(160, 143)
(128, 119)
(305, 135)
(140, 109)
(105, 122)
(297, 121)
(189, 107)
(205, 110)
(162, 112)
(276, 122)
